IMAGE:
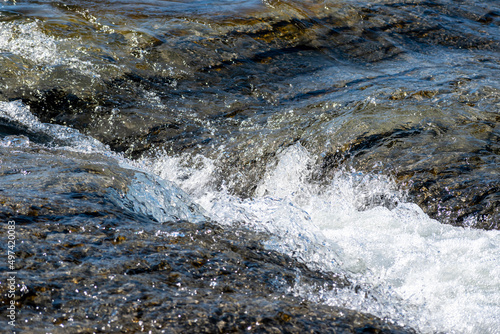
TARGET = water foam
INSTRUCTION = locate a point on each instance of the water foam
(403, 265)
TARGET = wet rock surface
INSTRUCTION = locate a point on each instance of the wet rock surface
(173, 277)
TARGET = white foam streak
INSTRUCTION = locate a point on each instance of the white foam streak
(449, 274)
(444, 272)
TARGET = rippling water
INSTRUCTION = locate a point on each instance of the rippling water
(252, 166)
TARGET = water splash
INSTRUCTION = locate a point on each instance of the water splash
(160, 200)
(403, 265)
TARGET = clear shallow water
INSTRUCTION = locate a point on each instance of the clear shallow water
(368, 91)
(359, 139)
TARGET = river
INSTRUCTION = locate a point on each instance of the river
(250, 166)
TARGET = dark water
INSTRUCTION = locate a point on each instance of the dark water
(251, 166)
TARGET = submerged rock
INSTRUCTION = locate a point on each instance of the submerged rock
(374, 86)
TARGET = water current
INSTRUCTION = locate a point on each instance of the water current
(251, 166)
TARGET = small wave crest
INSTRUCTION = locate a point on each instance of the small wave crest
(146, 193)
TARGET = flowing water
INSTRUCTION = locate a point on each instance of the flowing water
(251, 166)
